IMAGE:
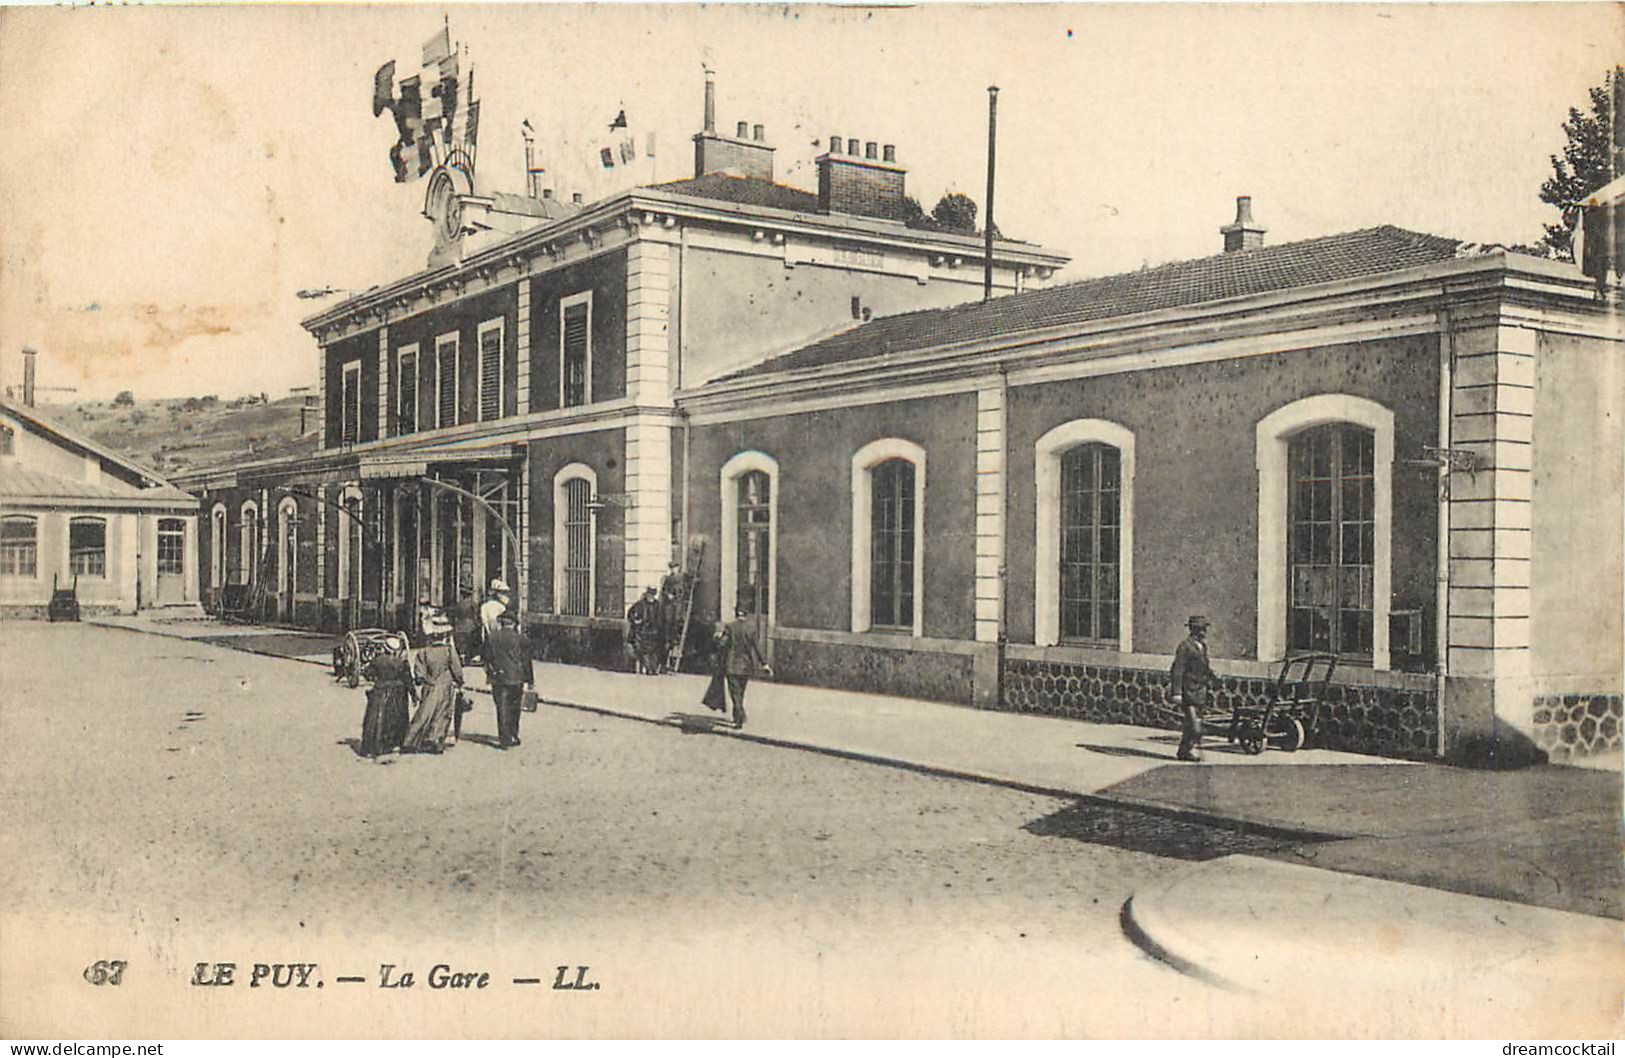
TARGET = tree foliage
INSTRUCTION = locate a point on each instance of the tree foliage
(124, 399)
(956, 212)
(1592, 157)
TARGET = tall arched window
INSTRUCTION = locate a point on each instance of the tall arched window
(750, 534)
(19, 546)
(888, 524)
(248, 553)
(287, 552)
(575, 544)
(87, 547)
(1084, 575)
(217, 546)
(1331, 507)
(1325, 528)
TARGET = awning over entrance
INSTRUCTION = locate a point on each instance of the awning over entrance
(423, 461)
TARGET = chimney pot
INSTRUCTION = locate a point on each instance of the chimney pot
(758, 133)
(744, 130)
(1243, 233)
(852, 147)
(547, 192)
(576, 197)
(710, 101)
(889, 152)
(835, 145)
(869, 150)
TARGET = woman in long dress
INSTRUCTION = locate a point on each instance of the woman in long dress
(441, 671)
(384, 723)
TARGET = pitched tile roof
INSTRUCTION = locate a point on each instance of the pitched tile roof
(1351, 255)
(743, 190)
(23, 483)
(112, 462)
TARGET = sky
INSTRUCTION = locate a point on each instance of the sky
(176, 174)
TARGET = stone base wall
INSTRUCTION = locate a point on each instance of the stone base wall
(907, 672)
(1386, 721)
(1577, 726)
(597, 645)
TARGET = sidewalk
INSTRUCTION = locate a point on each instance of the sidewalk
(1545, 836)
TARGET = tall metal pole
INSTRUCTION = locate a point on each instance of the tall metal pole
(992, 155)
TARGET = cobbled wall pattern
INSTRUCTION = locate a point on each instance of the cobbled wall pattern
(1385, 721)
(1574, 726)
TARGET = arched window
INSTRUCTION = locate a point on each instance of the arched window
(87, 547)
(248, 552)
(19, 546)
(1084, 578)
(888, 523)
(1331, 506)
(575, 543)
(350, 550)
(287, 550)
(750, 499)
(217, 546)
(1325, 528)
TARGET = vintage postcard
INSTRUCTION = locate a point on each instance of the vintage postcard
(677, 521)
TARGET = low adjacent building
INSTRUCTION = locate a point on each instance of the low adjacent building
(75, 515)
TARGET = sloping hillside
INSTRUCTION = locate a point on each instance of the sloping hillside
(178, 434)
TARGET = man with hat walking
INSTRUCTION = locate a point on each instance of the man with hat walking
(496, 603)
(1189, 679)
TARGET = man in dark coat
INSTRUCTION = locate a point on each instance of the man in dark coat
(643, 633)
(738, 658)
(509, 668)
(1188, 685)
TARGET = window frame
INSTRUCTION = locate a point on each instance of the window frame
(164, 534)
(497, 325)
(454, 339)
(735, 469)
(217, 545)
(561, 482)
(73, 570)
(347, 436)
(1048, 451)
(410, 349)
(248, 557)
(1273, 435)
(864, 460)
(34, 522)
(566, 303)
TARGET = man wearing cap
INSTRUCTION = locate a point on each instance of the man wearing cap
(494, 606)
(509, 667)
(1188, 684)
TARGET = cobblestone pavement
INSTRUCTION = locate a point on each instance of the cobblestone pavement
(173, 802)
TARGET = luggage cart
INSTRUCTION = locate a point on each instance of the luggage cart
(1289, 718)
(360, 646)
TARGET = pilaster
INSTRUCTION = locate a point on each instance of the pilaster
(648, 324)
(521, 349)
(321, 396)
(384, 417)
(1488, 634)
(648, 510)
(990, 458)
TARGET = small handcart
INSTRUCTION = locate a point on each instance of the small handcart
(359, 646)
(1289, 718)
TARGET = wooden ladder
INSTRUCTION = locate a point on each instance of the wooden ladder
(691, 577)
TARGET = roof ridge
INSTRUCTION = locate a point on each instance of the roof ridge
(83, 441)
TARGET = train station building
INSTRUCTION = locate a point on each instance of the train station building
(1398, 447)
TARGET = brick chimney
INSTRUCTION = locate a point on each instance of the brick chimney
(1243, 233)
(863, 184)
(29, 356)
(743, 154)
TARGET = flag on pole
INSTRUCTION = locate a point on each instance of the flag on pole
(383, 88)
(437, 47)
(619, 122)
(472, 133)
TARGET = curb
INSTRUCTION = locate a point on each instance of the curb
(1260, 828)
(1133, 920)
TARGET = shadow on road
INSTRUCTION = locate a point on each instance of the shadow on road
(698, 723)
(1158, 835)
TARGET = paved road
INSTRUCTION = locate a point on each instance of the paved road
(172, 802)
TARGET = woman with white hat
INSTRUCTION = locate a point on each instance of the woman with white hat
(441, 670)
